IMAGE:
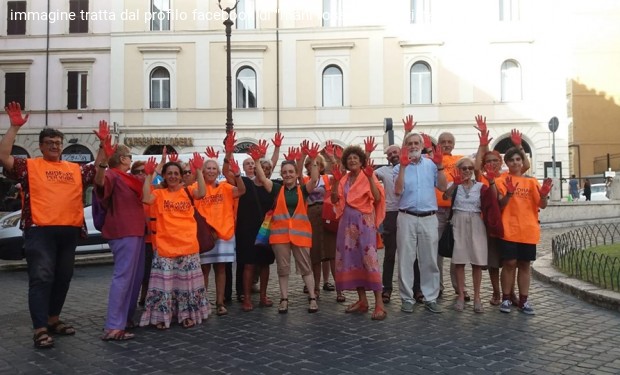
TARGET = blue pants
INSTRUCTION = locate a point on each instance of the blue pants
(128, 255)
(50, 254)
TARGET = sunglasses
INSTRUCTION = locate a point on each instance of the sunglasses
(187, 172)
(467, 168)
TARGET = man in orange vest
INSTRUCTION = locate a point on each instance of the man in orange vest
(52, 220)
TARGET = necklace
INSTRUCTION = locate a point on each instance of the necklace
(467, 189)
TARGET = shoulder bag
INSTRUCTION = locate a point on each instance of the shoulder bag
(205, 233)
(446, 242)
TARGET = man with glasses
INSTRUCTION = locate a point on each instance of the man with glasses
(52, 220)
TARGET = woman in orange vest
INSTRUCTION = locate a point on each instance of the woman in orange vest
(176, 286)
(360, 204)
(520, 197)
(291, 231)
(217, 207)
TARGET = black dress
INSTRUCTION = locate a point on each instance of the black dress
(250, 215)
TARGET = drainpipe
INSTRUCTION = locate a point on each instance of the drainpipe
(278, 65)
(47, 67)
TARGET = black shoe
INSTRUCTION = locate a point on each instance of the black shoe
(329, 287)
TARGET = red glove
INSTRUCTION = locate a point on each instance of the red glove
(149, 166)
(262, 146)
(234, 167)
(229, 142)
(338, 151)
(457, 178)
(329, 149)
(484, 138)
(437, 155)
(369, 145)
(408, 123)
(305, 147)
(515, 137)
(313, 152)
(173, 156)
(546, 187)
(337, 173)
(14, 110)
(197, 162)
(254, 152)
(481, 124)
(428, 144)
(489, 173)
(277, 139)
(108, 149)
(510, 188)
(211, 154)
(368, 169)
(404, 157)
(103, 133)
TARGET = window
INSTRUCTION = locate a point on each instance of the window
(511, 81)
(246, 88)
(77, 90)
(15, 88)
(246, 14)
(332, 87)
(16, 18)
(508, 10)
(160, 88)
(79, 24)
(421, 83)
(160, 15)
(420, 11)
(332, 13)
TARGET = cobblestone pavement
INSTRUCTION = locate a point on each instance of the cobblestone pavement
(567, 336)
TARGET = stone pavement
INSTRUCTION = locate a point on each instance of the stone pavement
(567, 336)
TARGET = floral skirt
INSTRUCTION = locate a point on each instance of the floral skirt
(176, 291)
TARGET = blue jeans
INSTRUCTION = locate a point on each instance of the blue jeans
(50, 254)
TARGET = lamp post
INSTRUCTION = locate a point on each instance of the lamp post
(228, 23)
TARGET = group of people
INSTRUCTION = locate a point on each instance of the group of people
(329, 218)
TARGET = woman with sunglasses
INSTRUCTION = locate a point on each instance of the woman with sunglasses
(470, 236)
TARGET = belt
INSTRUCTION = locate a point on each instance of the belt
(418, 214)
(314, 204)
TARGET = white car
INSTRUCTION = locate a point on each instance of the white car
(12, 240)
(598, 193)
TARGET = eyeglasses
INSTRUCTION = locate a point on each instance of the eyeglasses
(467, 169)
(187, 172)
(53, 143)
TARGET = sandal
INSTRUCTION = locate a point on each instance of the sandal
(188, 323)
(283, 308)
(496, 299)
(386, 296)
(247, 306)
(328, 287)
(42, 340)
(478, 307)
(265, 302)
(459, 305)
(61, 328)
(358, 306)
(161, 326)
(313, 305)
(379, 314)
(117, 335)
(220, 309)
(340, 298)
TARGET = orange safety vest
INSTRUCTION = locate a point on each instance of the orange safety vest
(294, 229)
(55, 192)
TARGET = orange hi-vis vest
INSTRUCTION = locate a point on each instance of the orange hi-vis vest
(294, 229)
(55, 192)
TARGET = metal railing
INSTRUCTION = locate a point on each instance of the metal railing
(571, 254)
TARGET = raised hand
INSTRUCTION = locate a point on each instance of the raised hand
(368, 169)
(546, 187)
(229, 142)
(173, 156)
(197, 161)
(262, 146)
(211, 154)
(404, 157)
(103, 132)
(14, 110)
(254, 153)
(108, 149)
(304, 146)
(457, 178)
(515, 137)
(149, 166)
(338, 152)
(369, 145)
(437, 155)
(234, 167)
(277, 139)
(510, 188)
(489, 172)
(481, 124)
(329, 149)
(428, 143)
(292, 154)
(484, 138)
(409, 124)
(313, 151)
(337, 173)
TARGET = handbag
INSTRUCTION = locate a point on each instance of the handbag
(330, 222)
(445, 247)
(262, 237)
(205, 233)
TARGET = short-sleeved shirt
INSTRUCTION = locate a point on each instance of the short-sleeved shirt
(520, 215)
(419, 186)
(386, 175)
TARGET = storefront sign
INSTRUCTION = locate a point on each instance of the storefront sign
(150, 141)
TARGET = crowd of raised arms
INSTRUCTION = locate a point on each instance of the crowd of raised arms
(331, 209)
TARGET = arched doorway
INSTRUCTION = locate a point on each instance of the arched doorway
(159, 149)
(19, 152)
(77, 154)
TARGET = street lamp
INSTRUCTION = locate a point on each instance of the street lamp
(228, 23)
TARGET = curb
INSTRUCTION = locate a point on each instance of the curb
(80, 260)
(544, 270)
